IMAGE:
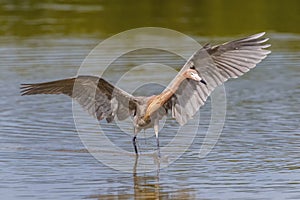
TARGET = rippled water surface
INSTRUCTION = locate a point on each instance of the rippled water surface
(43, 157)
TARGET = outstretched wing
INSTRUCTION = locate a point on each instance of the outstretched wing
(100, 98)
(215, 65)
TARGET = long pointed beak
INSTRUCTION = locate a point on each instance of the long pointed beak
(196, 77)
(203, 81)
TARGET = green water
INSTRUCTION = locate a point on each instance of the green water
(103, 18)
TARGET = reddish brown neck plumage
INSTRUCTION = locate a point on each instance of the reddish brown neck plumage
(157, 101)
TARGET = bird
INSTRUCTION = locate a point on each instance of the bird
(208, 68)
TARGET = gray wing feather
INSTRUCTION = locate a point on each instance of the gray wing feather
(215, 65)
(97, 96)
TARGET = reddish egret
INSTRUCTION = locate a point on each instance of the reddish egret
(207, 68)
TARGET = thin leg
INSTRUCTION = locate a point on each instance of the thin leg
(157, 142)
(156, 135)
(134, 145)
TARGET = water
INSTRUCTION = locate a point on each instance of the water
(42, 156)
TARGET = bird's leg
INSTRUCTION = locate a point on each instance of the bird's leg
(134, 145)
(156, 124)
(134, 142)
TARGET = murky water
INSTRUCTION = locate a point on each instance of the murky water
(43, 157)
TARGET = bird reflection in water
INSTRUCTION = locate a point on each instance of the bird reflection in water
(147, 186)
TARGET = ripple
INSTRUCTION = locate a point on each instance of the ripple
(257, 155)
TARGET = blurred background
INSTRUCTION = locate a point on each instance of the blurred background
(41, 154)
(100, 19)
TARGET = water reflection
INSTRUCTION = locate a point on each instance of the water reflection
(147, 186)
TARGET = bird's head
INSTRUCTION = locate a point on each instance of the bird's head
(193, 74)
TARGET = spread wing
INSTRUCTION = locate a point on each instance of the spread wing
(215, 65)
(100, 98)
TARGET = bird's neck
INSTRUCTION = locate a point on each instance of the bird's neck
(159, 100)
(172, 88)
